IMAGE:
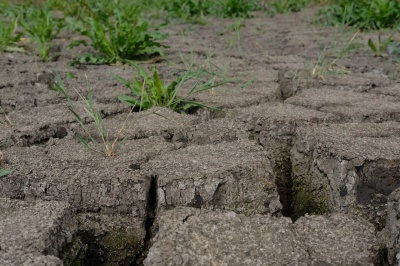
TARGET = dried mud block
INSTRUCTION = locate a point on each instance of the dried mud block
(234, 176)
(347, 168)
(358, 82)
(108, 239)
(64, 170)
(273, 125)
(392, 228)
(349, 106)
(392, 90)
(188, 236)
(293, 82)
(36, 125)
(15, 74)
(209, 132)
(224, 99)
(20, 97)
(34, 233)
(338, 239)
(164, 123)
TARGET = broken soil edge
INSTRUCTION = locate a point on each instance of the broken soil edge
(116, 247)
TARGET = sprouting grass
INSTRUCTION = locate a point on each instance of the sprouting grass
(8, 37)
(41, 26)
(239, 8)
(196, 10)
(338, 48)
(124, 35)
(362, 14)
(106, 146)
(149, 90)
(380, 47)
(284, 6)
(237, 26)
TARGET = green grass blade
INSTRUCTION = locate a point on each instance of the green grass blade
(372, 46)
(4, 172)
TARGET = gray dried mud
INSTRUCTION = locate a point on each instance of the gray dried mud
(295, 170)
(188, 236)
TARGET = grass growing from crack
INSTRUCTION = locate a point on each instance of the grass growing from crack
(106, 146)
(149, 90)
(122, 35)
(327, 60)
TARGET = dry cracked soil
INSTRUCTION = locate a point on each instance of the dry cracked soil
(298, 170)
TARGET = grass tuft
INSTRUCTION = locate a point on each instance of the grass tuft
(149, 90)
(9, 38)
(122, 35)
(106, 146)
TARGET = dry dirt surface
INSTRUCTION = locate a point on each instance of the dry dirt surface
(298, 169)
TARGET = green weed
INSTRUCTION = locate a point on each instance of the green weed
(284, 6)
(327, 60)
(106, 146)
(8, 37)
(42, 28)
(237, 26)
(362, 14)
(239, 8)
(188, 10)
(148, 91)
(380, 48)
(5, 115)
(122, 36)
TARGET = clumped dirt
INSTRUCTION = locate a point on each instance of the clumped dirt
(208, 159)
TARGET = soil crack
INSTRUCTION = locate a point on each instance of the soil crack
(151, 214)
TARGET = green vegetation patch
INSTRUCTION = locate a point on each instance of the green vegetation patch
(122, 35)
(149, 90)
(362, 14)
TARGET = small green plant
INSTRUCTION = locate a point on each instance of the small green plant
(327, 60)
(8, 37)
(380, 48)
(149, 91)
(362, 14)
(189, 10)
(237, 26)
(117, 37)
(42, 28)
(284, 6)
(106, 146)
(3, 172)
(239, 8)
